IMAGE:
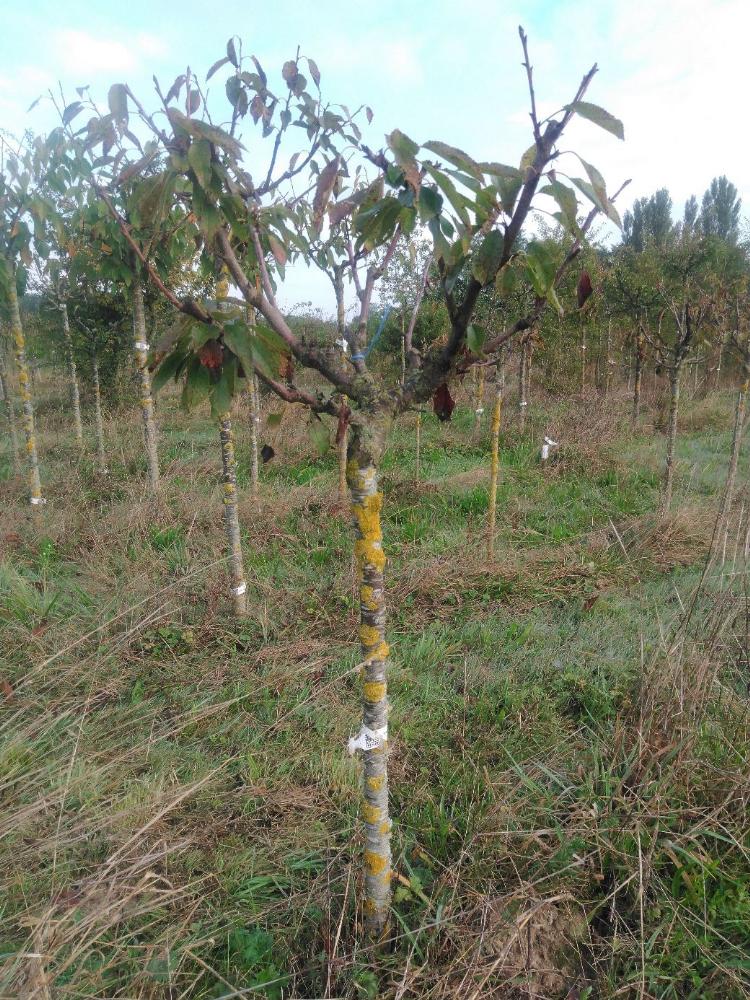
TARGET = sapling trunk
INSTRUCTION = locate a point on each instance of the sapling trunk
(523, 403)
(24, 388)
(608, 360)
(674, 401)
(734, 457)
(373, 739)
(98, 422)
(9, 414)
(231, 518)
(495, 455)
(479, 400)
(583, 362)
(717, 372)
(144, 378)
(75, 393)
(252, 384)
(417, 456)
(638, 377)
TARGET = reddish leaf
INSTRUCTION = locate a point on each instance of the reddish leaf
(443, 403)
(6, 689)
(211, 354)
(584, 288)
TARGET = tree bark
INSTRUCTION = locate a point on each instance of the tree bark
(608, 360)
(9, 414)
(734, 457)
(373, 739)
(98, 422)
(144, 378)
(583, 361)
(24, 387)
(674, 401)
(75, 393)
(231, 518)
(479, 400)
(523, 403)
(252, 383)
(495, 455)
(417, 457)
(638, 378)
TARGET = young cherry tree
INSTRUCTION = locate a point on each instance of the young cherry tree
(337, 201)
(24, 223)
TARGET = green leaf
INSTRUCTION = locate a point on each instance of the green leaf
(527, 161)
(170, 367)
(604, 205)
(430, 203)
(199, 158)
(540, 267)
(566, 199)
(459, 202)
(508, 189)
(200, 130)
(71, 111)
(404, 148)
(232, 53)
(117, 99)
(552, 297)
(208, 215)
(501, 170)
(221, 394)
(507, 279)
(151, 198)
(487, 258)
(197, 385)
(274, 419)
(475, 337)
(217, 66)
(455, 156)
(600, 117)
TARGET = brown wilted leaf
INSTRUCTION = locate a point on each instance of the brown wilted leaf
(211, 354)
(324, 187)
(584, 288)
(443, 403)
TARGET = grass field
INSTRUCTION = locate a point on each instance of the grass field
(569, 722)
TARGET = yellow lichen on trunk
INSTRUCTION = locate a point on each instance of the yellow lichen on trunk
(367, 505)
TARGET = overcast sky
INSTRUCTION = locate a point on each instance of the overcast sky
(675, 72)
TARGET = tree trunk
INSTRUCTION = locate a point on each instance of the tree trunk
(608, 360)
(637, 379)
(674, 400)
(9, 414)
(98, 422)
(495, 459)
(523, 402)
(418, 431)
(252, 383)
(403, 350)
(479, 400)
(75, 394)
(583, 361)
(24, 387)
(144, 377)
(373, 737)
(720, 359)
(231, 519)
(734, 457)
